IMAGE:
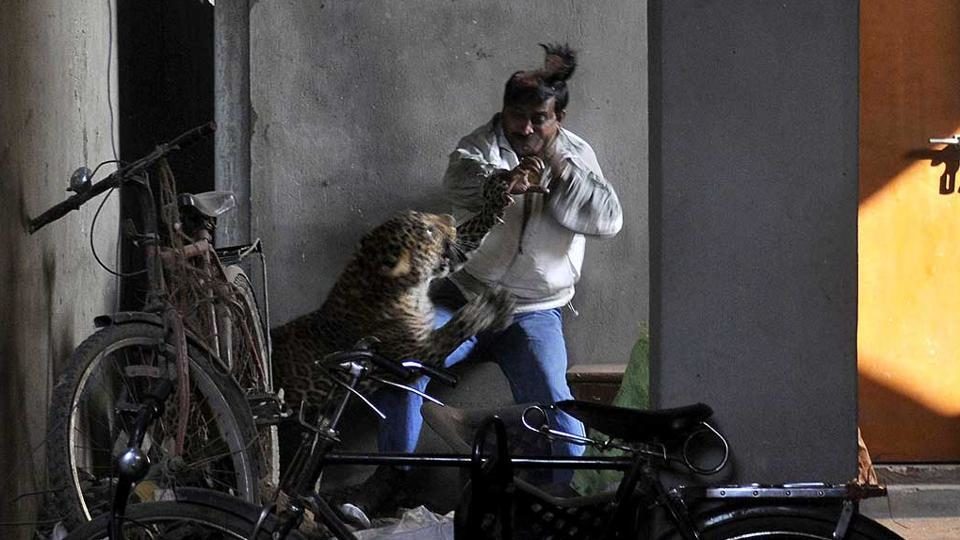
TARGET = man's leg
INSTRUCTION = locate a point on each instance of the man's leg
(532, 354)
(400, 431)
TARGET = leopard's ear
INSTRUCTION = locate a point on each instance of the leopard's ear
(397, 264)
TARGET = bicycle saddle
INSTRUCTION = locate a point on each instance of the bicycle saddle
(636, 425)
(211, 203)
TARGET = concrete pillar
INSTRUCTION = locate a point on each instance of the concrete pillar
(232, 113)
(753, 213)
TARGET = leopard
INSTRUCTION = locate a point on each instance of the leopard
(381, 298)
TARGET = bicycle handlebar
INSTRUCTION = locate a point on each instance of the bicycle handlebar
(435, 373)
(394, 368)
(76, 201)
(403, 370)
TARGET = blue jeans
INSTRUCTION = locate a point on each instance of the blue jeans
(531, 353)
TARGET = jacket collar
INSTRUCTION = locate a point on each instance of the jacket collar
(506, 151)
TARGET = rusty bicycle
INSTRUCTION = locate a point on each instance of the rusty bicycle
(200, 333)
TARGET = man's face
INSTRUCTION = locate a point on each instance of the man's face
(531, 128)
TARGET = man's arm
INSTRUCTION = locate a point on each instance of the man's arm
(581, 199)
(479, 188)
(467, 172)
(485, 191)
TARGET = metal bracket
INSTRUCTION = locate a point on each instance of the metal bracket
(267, 407)
(320, 430)
(945, 140)
(846, 515)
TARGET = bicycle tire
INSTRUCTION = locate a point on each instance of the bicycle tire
(114, 366)
(203, 516)
(244, 287)
(268, 437)
(788, 523)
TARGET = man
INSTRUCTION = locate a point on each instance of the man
(536, 254)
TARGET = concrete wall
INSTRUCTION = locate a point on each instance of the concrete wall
(754, 227)
(54, 117)
(355, 108)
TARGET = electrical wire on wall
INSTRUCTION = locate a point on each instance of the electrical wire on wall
(116, 156)
(45, 521)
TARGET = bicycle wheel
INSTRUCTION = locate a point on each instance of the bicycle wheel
(253, 370)
(254, 321)
(790, 523)
(206, 518)
(110, 370)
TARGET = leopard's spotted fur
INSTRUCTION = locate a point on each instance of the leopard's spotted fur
(382, 293)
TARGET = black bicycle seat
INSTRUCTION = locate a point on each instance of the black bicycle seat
(637, 425)
(211, 203)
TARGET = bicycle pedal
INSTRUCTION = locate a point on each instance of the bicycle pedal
(127, 408)
(267, 407)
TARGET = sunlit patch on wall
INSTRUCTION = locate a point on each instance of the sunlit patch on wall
(909, 288)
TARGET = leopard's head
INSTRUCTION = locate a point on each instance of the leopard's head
(411, 248)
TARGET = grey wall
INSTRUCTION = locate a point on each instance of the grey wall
(753, 211)
(232, 114)
(54, 116)
(355, 107)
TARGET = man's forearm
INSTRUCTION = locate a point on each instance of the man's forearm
(582, 201)
(464, 181)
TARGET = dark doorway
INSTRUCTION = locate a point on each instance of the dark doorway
(165, 69)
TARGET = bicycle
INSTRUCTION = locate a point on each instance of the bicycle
(496, 504)
(199, 328)
(644, 505)
(199, 512)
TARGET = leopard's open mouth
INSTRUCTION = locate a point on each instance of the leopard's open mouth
(454, 257)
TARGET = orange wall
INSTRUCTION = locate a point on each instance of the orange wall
(909, 233)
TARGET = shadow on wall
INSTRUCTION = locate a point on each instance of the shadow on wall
(36, 328)
(15, 454)
(10, 395)
(890, 164)
(948, 157)
(914, 425)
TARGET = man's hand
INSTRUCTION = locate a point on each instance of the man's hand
(525, 177)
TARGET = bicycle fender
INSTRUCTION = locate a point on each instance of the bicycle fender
(746, 510)
(128, 317)
(216, 499)
(124, 317)
(841, 514)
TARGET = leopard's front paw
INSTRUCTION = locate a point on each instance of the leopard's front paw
(496, 194)
(498, 305)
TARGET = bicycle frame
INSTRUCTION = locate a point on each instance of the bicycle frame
(149, 239)
(639, 492)
(133, 464)
(316, 452)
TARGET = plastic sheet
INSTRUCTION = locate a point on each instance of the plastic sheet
(415, 524)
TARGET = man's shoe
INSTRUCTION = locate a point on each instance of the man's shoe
(377, 496)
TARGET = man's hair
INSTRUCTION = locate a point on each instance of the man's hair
(535, 87)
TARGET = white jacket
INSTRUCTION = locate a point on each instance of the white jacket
(537, 252)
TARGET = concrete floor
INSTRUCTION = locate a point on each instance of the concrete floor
(923, 502)
(925, 528)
